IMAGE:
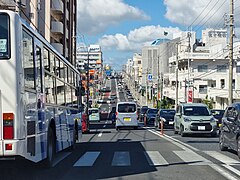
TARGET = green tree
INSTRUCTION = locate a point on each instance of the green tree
(208, 102)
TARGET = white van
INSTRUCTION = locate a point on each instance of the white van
(94, 114)
(126, 115)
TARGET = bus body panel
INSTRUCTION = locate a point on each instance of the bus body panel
(31, 117)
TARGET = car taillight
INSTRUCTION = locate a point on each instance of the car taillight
(116, 114)
(8, 129)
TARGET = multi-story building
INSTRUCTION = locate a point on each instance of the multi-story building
(203, 70)
(93, 54)
(54, 19)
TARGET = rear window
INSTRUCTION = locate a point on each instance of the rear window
(196, 111)
(153, 111)
(126, 108)
(4, 37)
(167, 112)
(93, 111)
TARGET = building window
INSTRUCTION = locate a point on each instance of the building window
(221, 68)
(237, 69)
(222, 81)
(202, 68)
(203, 89)
(212, 83)
(233, 83)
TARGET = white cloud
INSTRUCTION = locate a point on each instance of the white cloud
(94, 16)
(136, 38)
(208, 13)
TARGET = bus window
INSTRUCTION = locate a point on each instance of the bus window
(28, 64)
(4, 36)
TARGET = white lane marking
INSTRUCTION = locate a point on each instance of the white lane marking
(223, 158)
(154, 158)
(192, 158)
(87, 159)
(216, 167)
(172, 140)
(232, 169)
(121, 159)
(223, 172)
(61, 157)
(100, 134)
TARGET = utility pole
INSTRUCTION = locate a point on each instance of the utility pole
(147, 87)
(17, 6)
(230, 96)
(158, 78)
(87, 108)
(176, 101)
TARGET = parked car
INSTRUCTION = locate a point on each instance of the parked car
(218, 114)
(230, 129)
(94, 114)
(126, 115)
(151, 115)
(165, 115)
(195, 118)
(142, 113)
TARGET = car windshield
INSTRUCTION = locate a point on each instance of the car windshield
(125, 108)
(152, 111)
(144, 110)
(196, 111)
(164, 113)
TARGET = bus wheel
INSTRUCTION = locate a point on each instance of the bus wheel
(51, 150)
(75, 137)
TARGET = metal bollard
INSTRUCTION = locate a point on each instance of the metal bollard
(145, 121)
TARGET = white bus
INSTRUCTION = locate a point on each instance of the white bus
(39, 116)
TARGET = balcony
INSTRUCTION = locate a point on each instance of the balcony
(57, 27)
(58, 47)
(57, 7)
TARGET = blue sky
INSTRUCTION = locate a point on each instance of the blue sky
(123, 27)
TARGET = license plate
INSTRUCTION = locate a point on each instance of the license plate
(170, 122)
(127, 119)
(201, 127)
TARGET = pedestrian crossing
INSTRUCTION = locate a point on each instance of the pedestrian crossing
(155, 158)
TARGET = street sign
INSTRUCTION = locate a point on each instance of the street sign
(190, 96)
(150, 77)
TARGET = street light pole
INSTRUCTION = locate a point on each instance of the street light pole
(87, 108)
(230, 96)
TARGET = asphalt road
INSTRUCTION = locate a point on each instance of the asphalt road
(105, 153)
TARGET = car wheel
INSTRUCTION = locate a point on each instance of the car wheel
(238, 147)
(214, 134)
(221, 143)
(182, 131)
(175, 130)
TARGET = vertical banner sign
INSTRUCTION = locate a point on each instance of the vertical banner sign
(190, 96)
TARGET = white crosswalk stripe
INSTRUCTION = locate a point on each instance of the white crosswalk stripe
(87, 159)
(154, 158)
(222, 158)
(121, 159)
(192, 158)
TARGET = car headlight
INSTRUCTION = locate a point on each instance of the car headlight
(187, 119)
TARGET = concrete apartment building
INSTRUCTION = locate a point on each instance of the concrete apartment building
(203, 70)
(93, 53)
(54, 19)
(208, 72)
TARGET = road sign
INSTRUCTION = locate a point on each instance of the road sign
(150, 77)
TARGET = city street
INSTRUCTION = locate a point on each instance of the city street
(105, 153)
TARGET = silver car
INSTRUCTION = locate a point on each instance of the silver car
(126, 115)
(194, 118)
